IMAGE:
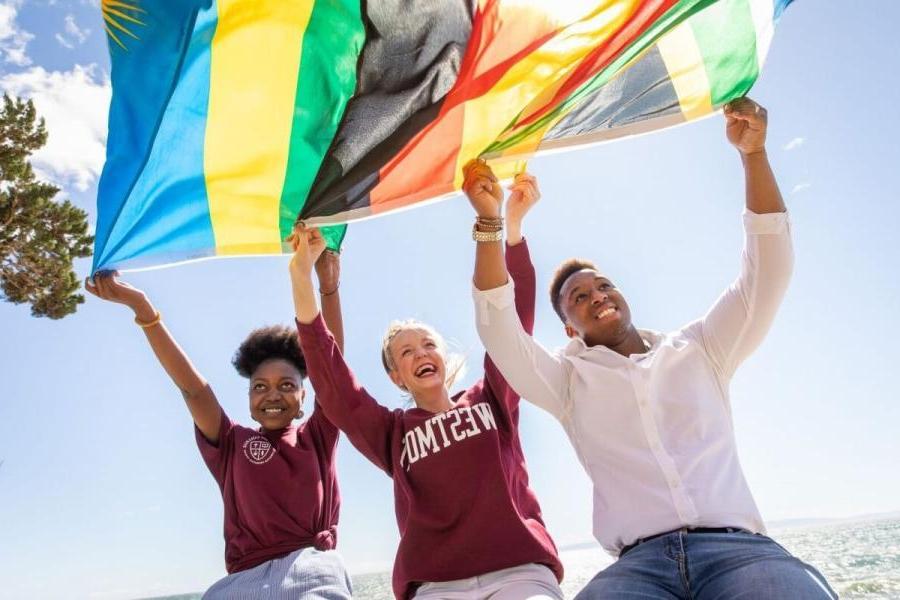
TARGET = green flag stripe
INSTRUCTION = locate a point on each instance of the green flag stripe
(720, 31)
(331, 45)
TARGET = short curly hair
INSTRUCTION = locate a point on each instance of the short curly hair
(563, 272)
(276, 341)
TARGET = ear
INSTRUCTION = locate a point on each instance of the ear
(570, 331)
(395, 377)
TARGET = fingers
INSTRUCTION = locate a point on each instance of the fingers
(478, 165)
(89, 286)
(476, 170)
(745, 109)
(525, 185)
(330, 256)
(315, 235)
(102, 284)
(495, 190)
(100, 281)
(525, 176)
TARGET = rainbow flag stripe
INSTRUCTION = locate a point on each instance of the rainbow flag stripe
(230, 119)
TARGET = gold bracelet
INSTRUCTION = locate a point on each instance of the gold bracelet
(486, 236)
(490, 221)
(489, 225)
(154, 321)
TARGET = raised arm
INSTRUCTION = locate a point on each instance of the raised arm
(525, 194)
(198, 396)
(328, 272)
(528, 367)
(739, 320)
(746, 123)
(367, 424)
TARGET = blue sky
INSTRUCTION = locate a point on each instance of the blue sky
(103, 494)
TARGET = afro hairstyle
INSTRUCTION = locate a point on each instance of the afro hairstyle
(276, 341)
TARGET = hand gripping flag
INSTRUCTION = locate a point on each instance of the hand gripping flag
(231, 119)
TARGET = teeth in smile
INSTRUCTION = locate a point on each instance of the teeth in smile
(425, 370)
(273, 410)
(606, 313)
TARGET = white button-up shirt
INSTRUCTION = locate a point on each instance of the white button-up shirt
(654, 430)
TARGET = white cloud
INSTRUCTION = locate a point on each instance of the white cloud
(63, 41)
(13, 40)
(73, 33)
(794, 143)
(800, 187)
(75, 105)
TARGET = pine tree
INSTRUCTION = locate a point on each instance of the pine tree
(39, 236)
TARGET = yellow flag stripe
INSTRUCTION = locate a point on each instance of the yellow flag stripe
(255, 62)
(684, 62)
(487, 116)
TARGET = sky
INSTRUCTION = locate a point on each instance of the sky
(103, 494)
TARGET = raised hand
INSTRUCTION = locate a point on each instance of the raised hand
(107, 286)
(481, 186)
(524, 193)
(308, 244)
(745, 125)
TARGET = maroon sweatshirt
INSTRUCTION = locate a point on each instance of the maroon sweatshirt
(279, 488)
(461, 494)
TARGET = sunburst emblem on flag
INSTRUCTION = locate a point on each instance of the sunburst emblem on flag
(121, 18)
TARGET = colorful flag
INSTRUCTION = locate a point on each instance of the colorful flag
(230, 119)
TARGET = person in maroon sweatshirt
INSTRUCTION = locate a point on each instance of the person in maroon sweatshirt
(470, 527)
(278, 482)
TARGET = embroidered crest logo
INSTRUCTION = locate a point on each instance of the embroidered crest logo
(258, 450)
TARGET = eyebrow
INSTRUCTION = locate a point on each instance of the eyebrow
(577, 287)
(280, 379)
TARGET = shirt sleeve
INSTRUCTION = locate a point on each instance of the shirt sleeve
(324, 429)
(346, 404)
(216, 455)
(531, 370)
(521, 270)
(739, 320)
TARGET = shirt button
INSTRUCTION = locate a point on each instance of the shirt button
(674, 483)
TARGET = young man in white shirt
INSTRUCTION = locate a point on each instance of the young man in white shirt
(648, 413)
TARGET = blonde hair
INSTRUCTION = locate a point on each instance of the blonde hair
(455, 362)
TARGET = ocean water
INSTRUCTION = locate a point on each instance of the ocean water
(860, 559)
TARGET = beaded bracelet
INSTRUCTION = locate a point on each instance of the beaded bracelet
(486, 236)
(332, 292)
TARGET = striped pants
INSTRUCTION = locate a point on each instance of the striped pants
(306, 574)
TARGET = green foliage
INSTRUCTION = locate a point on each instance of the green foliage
(39, 237)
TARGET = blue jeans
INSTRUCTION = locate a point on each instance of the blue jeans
(708, 566)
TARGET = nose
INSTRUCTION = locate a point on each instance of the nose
(599, 297)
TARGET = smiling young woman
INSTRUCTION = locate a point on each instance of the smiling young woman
(470, 526)
(278, 482)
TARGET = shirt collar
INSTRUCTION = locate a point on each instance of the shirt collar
(576, 346)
